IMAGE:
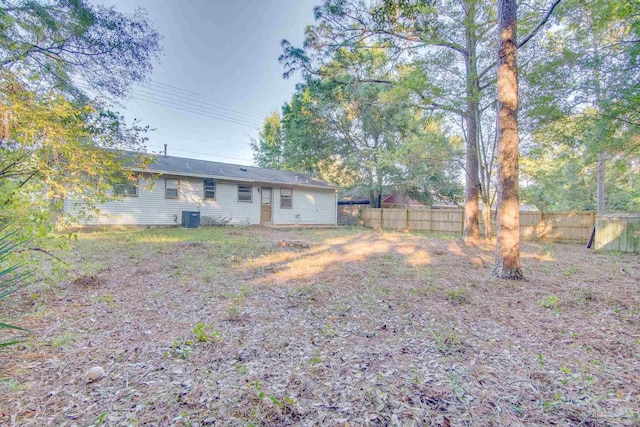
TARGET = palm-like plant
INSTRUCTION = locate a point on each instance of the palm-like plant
(11, 278)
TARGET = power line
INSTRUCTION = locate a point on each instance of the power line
(198, 103)
(188, 109)
(178, 89)
(193, 110)
(183, 106)
(192, 103)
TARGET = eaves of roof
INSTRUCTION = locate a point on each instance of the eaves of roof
(235, 179)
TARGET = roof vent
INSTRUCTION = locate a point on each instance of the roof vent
(243, 169)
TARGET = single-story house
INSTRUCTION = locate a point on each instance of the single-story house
(239, 194)
(401, 201)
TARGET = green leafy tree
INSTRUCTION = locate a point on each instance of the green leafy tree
(351, 126)
(55, 44)
(560, 170)
(595, 112)
(449, 49)
(56, 139)
(55, 149)
(268, 148)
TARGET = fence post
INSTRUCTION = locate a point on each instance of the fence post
(406, 221)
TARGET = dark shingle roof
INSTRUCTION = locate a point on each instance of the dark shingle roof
(204, 168)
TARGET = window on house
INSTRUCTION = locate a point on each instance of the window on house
(286, 198)
(128, 190)
(245, 193)
(209, 189)
(171, 188)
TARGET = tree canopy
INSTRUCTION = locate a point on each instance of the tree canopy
(362, 132)
(63, 66)
(443, 54)
(585, 128)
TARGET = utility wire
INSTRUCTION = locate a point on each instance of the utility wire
(194, 110)
(192, 104)
(187, 107)
(198, 103)
(212, 99)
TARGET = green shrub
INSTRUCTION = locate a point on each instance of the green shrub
(459, 295)
(550, 301)
(205, 333)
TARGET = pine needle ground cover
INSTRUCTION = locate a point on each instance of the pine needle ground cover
(344, 327)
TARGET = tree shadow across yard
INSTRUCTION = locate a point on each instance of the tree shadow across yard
(367, 252)
(227, 327)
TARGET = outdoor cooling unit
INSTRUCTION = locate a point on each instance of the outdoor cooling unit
(190, 219)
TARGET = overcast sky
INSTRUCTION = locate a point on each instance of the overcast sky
(219, 75)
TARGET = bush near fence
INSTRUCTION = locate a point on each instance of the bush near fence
(349, 214)
(561, 227)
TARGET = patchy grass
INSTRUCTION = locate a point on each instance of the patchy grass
(226, 326)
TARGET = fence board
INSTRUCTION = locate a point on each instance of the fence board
(419, 219)
(447, 220)
(372, 218)
(567, 227)
(394, 218)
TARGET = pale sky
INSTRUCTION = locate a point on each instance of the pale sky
(219, 75)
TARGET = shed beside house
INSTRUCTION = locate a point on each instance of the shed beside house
(240, 194)
(618, 232)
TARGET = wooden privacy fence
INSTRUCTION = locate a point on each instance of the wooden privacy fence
(564, 227)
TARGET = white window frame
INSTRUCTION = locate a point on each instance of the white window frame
(284, 197)
(166, 188)
(126, 189)
(244, 192)
(204, 187)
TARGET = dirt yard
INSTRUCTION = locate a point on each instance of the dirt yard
(349, 327)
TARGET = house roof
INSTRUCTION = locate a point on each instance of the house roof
(358, 197)
(398, 199)
(170, 165)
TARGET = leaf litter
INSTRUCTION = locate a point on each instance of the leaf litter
(354, 327)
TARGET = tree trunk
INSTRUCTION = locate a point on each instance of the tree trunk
(471, 220)
(602, 171)
(472, 181)
(486, 218)
(507, 264)
(485, 194)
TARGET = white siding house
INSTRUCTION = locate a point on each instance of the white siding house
(243, 194)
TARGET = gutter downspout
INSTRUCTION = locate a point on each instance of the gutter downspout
(336, 209)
